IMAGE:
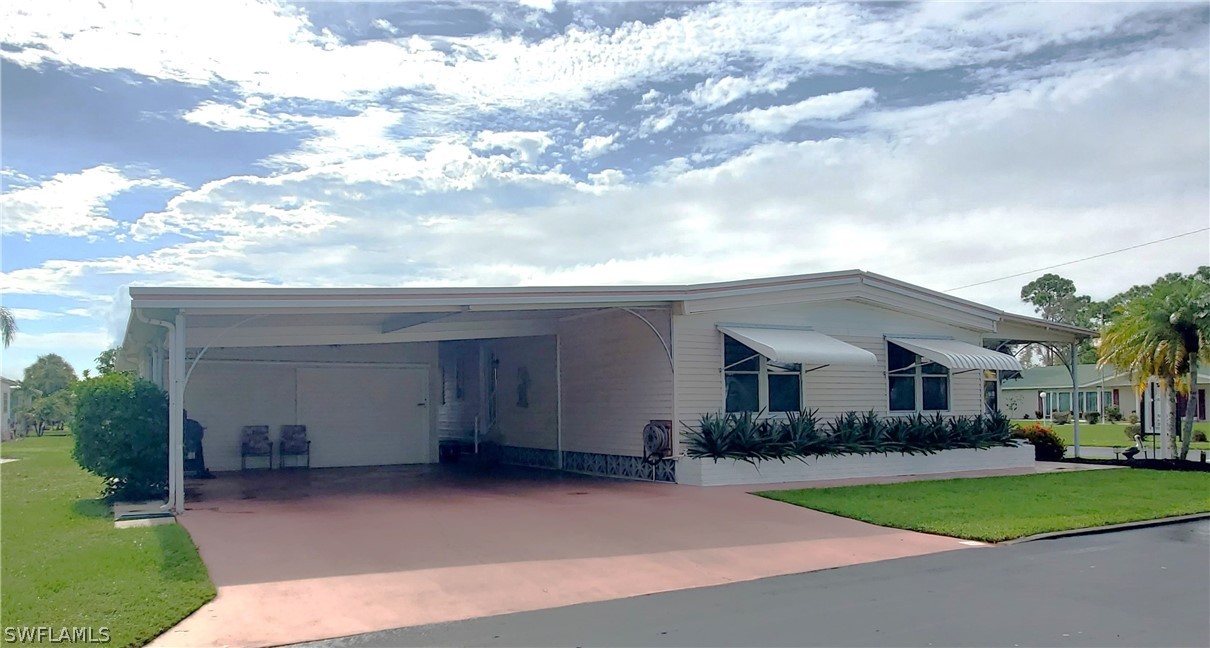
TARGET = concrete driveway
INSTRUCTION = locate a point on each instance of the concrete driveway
(307, 555)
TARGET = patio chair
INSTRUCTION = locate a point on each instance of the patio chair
(293, 443)
(254, 442)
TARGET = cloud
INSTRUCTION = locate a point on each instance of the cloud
(716, 93)
(276, 50)
(452, 160)
(24, 314)
(248, 116)
(779, 119)
(71, 204)
(79, 348)
(528, 145)
(598, 145)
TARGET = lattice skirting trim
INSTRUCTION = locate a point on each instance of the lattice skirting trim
(531, 457)
(592, 463)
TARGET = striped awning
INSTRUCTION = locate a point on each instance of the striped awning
(799, 345)
(959, 355)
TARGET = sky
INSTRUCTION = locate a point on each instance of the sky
(548, 142)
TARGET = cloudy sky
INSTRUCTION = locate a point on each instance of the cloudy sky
(455, 143)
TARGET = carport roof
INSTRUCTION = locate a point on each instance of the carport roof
(215, 304)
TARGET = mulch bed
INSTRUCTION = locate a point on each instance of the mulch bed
(1149, 464)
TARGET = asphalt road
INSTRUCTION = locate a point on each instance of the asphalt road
(1146, 587)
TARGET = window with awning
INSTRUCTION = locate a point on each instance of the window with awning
(764, 368)
(957, 355)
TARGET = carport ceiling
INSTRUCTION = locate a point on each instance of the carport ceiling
(304, 329)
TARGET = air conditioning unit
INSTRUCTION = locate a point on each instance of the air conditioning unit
(657, 441)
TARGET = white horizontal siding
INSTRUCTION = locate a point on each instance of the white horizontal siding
(536, 424)
(832, 390)
(457, 408)
(615, 377)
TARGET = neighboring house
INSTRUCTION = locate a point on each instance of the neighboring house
(13, 400)
(1043, 390)
(7, 424)
(574, 378)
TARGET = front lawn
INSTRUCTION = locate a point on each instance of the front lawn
(64, 563)
(994, 509)
(1108, 435)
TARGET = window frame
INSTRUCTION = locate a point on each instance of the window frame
(918, 376)
(762, 374)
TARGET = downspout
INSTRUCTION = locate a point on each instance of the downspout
(176, 423)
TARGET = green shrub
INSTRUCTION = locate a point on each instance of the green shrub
(1048, 446)
(1093, 417)
(749, 437)
(1133, 419)
(1199, 437)
(1113, 414)
(120, 426)
(1060, 418)
(1132, 430)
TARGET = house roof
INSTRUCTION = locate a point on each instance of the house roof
(1057, 377)
(389, 310)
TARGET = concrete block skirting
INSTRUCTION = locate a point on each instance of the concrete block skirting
(724, 472)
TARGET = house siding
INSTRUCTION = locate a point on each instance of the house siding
(832, 390)
(615, 377)
(458, 401)
(232, 387)
(534, 424)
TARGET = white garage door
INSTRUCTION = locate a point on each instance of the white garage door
(364, 416)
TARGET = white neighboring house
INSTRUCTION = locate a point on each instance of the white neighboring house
(7, 424)
(565, 377)
(1043, 390)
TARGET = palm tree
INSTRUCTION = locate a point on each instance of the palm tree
(1164, 334)
(8, 326)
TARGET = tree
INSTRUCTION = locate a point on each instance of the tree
(48, 374)
(107, 361)
(50, 411)
(8, 326)
(1054, 299)
(1163, 333)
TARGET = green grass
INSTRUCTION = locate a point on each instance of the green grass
(64, 563)
(994, 509)
(1109, 435)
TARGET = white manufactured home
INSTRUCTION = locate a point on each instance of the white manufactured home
(595, 380)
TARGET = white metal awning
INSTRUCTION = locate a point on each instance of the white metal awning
(799, 345)
(959, 355)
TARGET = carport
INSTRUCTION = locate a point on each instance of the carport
(386, 377)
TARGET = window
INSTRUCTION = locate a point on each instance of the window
(755, 383)
(991, 392)
(915, 383)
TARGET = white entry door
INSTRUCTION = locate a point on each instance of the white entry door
(365, 416)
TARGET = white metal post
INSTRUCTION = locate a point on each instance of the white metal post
(1075, 399)
(176, 418)
(559, 399)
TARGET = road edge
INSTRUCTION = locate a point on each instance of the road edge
(1124, 526)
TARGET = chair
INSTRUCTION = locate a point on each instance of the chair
(293, 443)
(254, 442)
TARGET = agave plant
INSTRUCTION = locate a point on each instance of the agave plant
(752, 438)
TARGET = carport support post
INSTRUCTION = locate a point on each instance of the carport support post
(176, 418)
(1075, 399)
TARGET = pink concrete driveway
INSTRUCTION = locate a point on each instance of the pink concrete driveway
(324, 553)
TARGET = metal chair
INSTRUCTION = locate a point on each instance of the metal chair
(254, 442)
(293, 442)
